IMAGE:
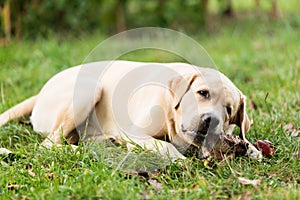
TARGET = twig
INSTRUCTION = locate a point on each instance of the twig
(121, 163)
(267, 95)
(2, 94)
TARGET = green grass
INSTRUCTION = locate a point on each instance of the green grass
(261, 57)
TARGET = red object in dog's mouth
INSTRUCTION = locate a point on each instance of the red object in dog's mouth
(266, 147)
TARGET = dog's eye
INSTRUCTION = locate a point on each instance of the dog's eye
(204, 93)
(228, 110)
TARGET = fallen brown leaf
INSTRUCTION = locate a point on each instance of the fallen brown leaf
(245, 196)
(155, 184)
(50, 176)
(289, 127)
(144, 194)
(15, 186)
(296, 154)
(295, 133)
(253, 105)
(245, 181)
(4, 164)
(24, 198)
(31, 173)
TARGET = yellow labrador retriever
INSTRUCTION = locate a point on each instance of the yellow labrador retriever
(164, 107)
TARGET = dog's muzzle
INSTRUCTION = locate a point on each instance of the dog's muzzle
(208, 123)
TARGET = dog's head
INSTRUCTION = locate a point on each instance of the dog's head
(206, 104)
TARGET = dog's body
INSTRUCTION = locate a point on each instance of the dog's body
(154, 105)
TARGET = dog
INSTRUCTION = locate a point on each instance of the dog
(163, 107)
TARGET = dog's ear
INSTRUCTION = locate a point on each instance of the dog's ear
(178, 86)
(241, 118)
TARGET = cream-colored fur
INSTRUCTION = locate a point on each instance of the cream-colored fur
(143, 103)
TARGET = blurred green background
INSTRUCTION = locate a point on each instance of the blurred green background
(41, 18)
(255, 43)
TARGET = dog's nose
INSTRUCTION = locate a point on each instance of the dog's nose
(208, 122)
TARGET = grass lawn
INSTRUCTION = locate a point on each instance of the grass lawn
(260, 56)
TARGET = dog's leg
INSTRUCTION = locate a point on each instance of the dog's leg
(69, 119)
(167, 150)
(64, 126)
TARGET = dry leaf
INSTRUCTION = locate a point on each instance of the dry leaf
(31, 173)
(289, 127)
(155, 184)
(50, 176)
(295, 133)
(144, 194)
(14, 186)
(245, 181)
(253, 105)
(245, 196)
(4, 164)
(296, 154)
(24, 198)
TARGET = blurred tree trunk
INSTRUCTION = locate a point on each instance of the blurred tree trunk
(257, 3)
(204, 12)
(18, 9)
(160, 12)
(275, 12)
(228, 11)
(7, 21)
(120, 15)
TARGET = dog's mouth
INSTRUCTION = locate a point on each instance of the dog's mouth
(201, 136)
